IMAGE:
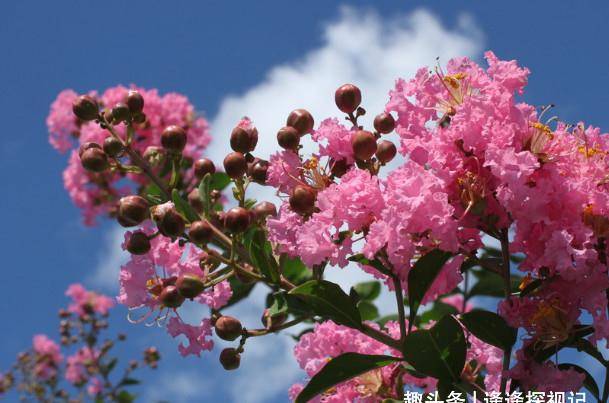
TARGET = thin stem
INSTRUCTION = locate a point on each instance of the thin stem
(505, 253)
(382, 337)
(263, 332)
(399, 298)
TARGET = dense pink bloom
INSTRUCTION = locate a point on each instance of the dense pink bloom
(95, 387)
(84, 301)
(334, 140)
(77, 363)
(197, 336)
(283, 172)
(61, 122)
(48, 357)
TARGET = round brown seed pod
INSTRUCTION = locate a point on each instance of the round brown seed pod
(203, 167)
(138, 243)
(302, 199)
(228, 328)
(132, 210)
(200, 232)
(288, 138)
(364, 144)
(384, 123)
(230, 359)
(236, 219)
(347, 98)
(173, 138)
(301, 120)
(85, 108)
(386, 151)
(235, 165)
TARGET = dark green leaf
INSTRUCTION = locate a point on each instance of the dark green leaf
(204, 194)
(129, 381)
(219, 181)
(261, 253)
(183, 207)
(492, 284)
(589, 382)
(367, 310)
(438, 352)
(375, 263)
(279, 305)
(240, 291)
(340, 369)
(293, 269)
(422, 276)
(490, 328)
(368, 290)
(125, 397)
(436, 312)
(329, 300)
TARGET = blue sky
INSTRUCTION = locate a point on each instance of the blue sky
(265, 55)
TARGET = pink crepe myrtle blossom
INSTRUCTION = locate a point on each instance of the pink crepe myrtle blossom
(48, 357)
(85, 301)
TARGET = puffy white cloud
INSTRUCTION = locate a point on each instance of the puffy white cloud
(358, 47)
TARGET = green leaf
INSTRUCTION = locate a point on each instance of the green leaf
(279, 306)
(422, 276)
(589, 382)
(367, 310)
(375, 263)
(329, 300)
(340, 369)
(183, 207)
(219, 181)
(438, 352)
(492, 284)
(293, 269)
(436, 312)
(125, 397)
(368, 290)
(240, 291)
(262, 255)
(129, 381)
(490, 328)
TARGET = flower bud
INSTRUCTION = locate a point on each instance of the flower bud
(113, 146)
(385, 151)
(85, 146)
(195, 201)
(270, 322)
(94, 159)
(339, 168)
(235, 165)
(301, 120)
(347, 98)
(190, 285)
(169, 222)
(85, 108)
(244, 140)
(200, 232)
(173, 138)
(237, 219)
(138, 243)
(258, 171)
(132, 210)
(364, 144)
(135, 102)
(230, 359)
(302, 199)
(120, 112)
(203, 167)
(384, 123)
(228, 328)
(242, 275)
(170, 297)
(264, 209)
(288, 138)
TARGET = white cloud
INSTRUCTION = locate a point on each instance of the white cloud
(110, 260)
(358, 47)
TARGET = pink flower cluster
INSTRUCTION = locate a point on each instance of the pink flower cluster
(477, 161)
(143, 277)
(48, 357)
(85, 301)
(96, 193)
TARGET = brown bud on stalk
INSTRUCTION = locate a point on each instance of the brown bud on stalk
(243, 277)
(203, 167)
(132, 210)
(200, 232)
(364, 144)
(384, 123)
(301, 120)
(257, 171)
(339, 168)
(85, 146)
(138, 243)
(134, 101)
(169, 222)
(170, 297)
(270, 322)
(195, 201)
(386, 151)
(228, 328)
(120, 112)
(173, 138)
(264, 209)
(190, 285)
(230, 359)
(85, 108)
(237, 219)
(235, 165)
(288, 138)
(244, 140)
(113, 146)
(302, 199)
(94, 159)
(347, 98)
